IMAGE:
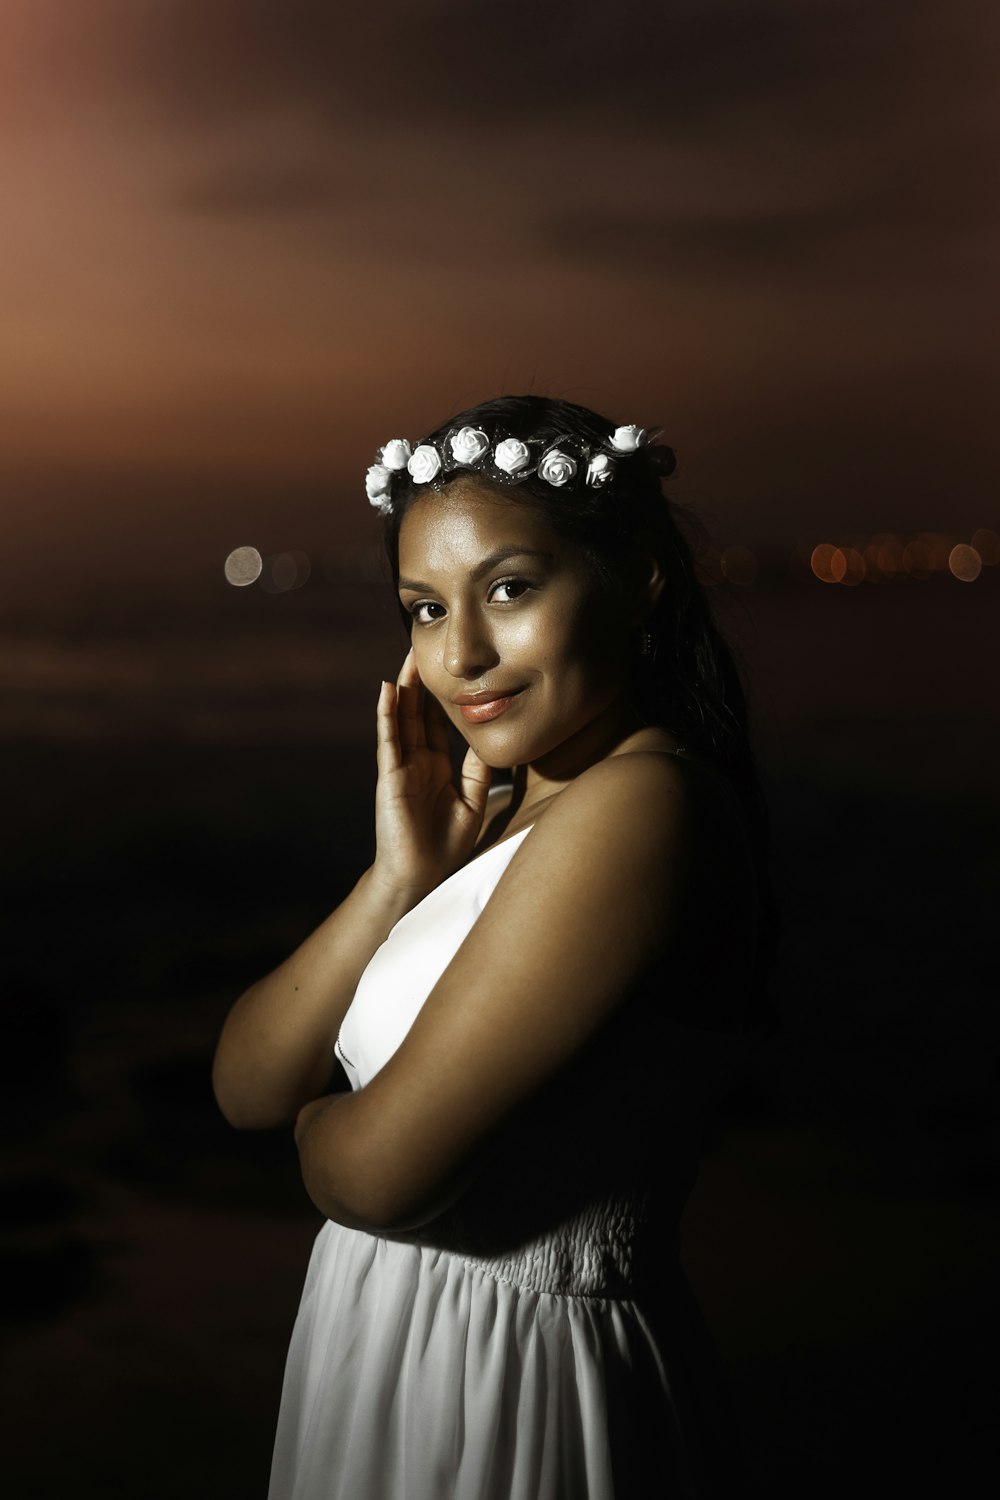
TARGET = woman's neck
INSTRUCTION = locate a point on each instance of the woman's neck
(613, 733)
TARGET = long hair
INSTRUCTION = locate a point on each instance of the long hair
(690, 683)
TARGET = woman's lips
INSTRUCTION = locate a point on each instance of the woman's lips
(480, 713)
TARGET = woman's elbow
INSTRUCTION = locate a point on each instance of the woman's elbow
(367, 1206)
(243, 1107)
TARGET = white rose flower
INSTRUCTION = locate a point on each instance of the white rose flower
(557, 467)
(469, 444)
(425, 464)
(511, 455)
(396, 454)
(378, 483)
(600, 470)
(627, 439)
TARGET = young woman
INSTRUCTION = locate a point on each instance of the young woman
(536, 993)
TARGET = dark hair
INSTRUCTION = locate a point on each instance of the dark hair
(691, 686)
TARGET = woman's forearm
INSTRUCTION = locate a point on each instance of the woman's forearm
(276, 1048)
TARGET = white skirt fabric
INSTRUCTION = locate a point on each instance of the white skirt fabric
(414, 1374)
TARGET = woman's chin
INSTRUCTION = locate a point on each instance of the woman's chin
(494, 757)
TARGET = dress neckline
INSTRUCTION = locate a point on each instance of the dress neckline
(463, 869)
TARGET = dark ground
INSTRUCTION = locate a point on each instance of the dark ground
(188, 792)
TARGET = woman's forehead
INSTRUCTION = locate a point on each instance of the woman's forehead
(458, 526)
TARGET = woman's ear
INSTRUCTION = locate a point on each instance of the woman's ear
(648, 582)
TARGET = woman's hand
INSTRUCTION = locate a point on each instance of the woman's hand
(425, 827)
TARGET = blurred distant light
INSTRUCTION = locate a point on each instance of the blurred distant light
(708, 567)
(285, 571)
(822, 561)
(738, 565)
(938, 546)
(965, 563)
(987, 544)
(890, 556)
(871, 556)
(243, 566)
(854, 567)
(918, 559)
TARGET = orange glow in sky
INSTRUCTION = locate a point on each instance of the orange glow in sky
(244, 245)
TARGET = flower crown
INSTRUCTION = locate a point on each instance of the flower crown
(506, 460)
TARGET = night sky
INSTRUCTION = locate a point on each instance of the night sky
(246, 243)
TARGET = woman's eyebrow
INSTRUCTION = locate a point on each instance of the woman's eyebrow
(504, 554)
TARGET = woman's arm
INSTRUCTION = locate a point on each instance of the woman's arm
(276, 1048)
(587, 904)
(275, 1053)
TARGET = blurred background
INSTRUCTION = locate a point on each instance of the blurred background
(245, 244)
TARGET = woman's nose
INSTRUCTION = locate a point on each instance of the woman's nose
(468, 648)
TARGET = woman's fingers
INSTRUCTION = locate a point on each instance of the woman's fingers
(388, 752)
(410, 714)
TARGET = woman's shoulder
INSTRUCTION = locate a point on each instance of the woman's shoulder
(650, 795)
(628, 810)
(667, 772)
(674, 816)
(643, 775)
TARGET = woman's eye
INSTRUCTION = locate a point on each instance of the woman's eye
(513, 588)
(417, 611)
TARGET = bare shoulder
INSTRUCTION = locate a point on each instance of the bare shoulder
(633, 776)
(617, 840)
(641, 800)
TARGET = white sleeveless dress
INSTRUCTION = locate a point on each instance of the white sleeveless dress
(536, 1342)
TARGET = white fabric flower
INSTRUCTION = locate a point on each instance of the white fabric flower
(600, 470)
(511, 455)
(557, 467)
(468, 444)
(378, 483)
(627, 439)
(425, 464)
(395, 455)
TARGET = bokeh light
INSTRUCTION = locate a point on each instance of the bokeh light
(881, 557)
(827, 562)
(965, 563)
(938, 546)
(854, 567)
(739, 566)
(918, 559)
(243, 566)
(890, 555)
(285, 571)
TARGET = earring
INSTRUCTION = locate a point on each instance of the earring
(645, 643)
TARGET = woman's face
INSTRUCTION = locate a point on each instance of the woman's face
(507, 612)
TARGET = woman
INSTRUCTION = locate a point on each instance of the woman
(536, 992)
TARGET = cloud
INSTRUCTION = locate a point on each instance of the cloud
(693, 65)
(892, 216)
